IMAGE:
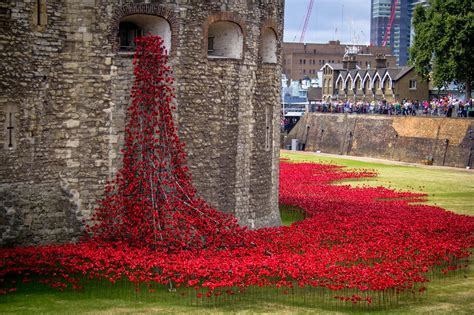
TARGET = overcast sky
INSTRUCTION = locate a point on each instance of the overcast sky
(351, 18)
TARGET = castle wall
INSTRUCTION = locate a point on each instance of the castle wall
(408, 139)
(68, 88)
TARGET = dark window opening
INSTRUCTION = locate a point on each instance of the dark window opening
(268, 129)
(38, 12)
(128, 32)
(10, 131)
(210, 45)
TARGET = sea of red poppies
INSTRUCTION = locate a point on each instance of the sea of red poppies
(368, 239)
(152, 228)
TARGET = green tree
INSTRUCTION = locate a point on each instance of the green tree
(443, 46)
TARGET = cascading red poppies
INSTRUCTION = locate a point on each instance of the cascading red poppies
(152, 201)
(152, 228)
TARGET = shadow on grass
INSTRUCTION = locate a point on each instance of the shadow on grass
(291, 214)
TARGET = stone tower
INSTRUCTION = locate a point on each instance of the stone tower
(65, 78)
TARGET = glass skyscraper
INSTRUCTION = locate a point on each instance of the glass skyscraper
(400, 33)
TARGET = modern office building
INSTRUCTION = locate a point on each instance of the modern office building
(399, 37)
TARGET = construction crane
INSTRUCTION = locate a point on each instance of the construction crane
(390, 22)
(306, 20)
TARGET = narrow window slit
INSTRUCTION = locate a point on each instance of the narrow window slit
(268, 129)
(10, 130)
(38, 11)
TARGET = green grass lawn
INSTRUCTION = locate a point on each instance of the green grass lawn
(449, 188)
(290, 214)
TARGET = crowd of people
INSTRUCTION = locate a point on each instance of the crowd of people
(445, 106)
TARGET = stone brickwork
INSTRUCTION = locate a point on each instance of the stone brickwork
(410, 139)
(67, 87)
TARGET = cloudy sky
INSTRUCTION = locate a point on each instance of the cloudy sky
(344, 20)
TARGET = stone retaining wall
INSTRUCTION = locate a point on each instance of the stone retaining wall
(445, 141)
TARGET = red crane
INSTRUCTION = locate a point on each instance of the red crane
(390, 22)
(306, 20)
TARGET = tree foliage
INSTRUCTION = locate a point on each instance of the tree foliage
(443, 45)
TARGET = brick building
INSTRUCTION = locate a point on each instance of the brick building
(305, 60)
(65, 80)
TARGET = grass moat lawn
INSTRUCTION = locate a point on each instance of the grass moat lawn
(448, 188)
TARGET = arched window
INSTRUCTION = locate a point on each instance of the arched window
(269, 46)
(357, 84)
(135, 25)
(225, 40)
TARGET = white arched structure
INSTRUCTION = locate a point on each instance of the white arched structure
(385, 77)
(225, 40)
(358, 77)
(349, 77)
(146, 25)
(374, 79)
(367, 77)
(269, 46)
(340, 80)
